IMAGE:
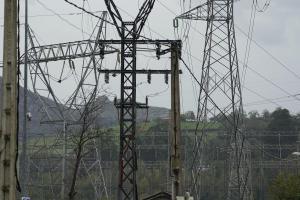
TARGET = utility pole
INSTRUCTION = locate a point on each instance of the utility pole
(175, 123)
(9, 108)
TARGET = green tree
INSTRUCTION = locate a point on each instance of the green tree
(285, 187)
(266, 115)
(281, 120)
(190, 115)
(253, 114)
(281, 129)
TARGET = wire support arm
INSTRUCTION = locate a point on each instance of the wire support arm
(197, 13)
(141, 71)
(208, 12)
(68, 50)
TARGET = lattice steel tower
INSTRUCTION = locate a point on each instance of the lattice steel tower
(220, 96)
(130, 36)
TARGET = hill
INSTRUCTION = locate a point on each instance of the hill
(107, 116)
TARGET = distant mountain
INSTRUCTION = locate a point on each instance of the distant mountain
(107, 115)
(34, 107)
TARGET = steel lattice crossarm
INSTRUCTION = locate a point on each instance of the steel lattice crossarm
(203, 12)
(166, 43)
(68, 50)
(158, 44)
(197, 13)
(139, 71)
(82, 49)
(40, 75)
(161, 47)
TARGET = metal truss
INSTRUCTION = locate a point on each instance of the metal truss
(44, 167)
(129, 32)
(67, 51)
(127, 107)
(220, 97)
(68, 112)
(93, 167)
(71, 110)
(42, 78)
(128, 160)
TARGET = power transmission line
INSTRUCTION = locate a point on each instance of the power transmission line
(273, 100)
(261, 96)
(61, 14)
(271, 55)
(88, 12)
(238, 29)
(249, 42)
(257, 73)
(272, 83)
(60, 17)
(92, 13)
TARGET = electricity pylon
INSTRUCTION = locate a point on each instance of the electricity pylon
(129, 33)
(220, 96)
(68, 113)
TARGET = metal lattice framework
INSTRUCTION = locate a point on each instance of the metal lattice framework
(128, 160)
(69, 111)
(220, 97)
(127, 105)
(42, 79)
(68, 50)
(129, 32)
(45, 156)
(95, 49)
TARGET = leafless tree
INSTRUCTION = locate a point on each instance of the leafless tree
(86, 133)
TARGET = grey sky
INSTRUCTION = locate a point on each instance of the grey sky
(277, 30)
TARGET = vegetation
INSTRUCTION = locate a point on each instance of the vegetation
(285, 186)
(153, 174)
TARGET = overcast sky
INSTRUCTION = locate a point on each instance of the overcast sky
(273, 71)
